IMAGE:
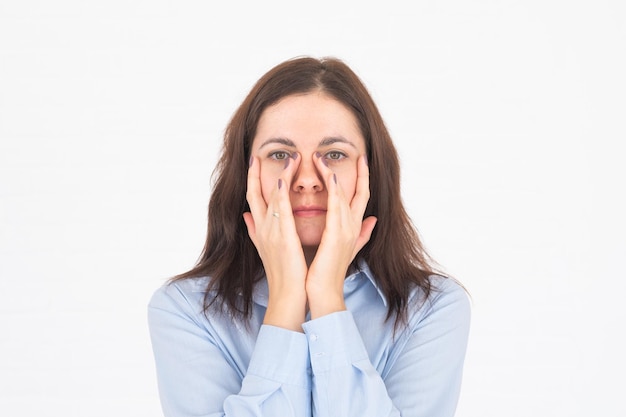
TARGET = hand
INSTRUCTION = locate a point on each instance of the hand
(345, 234)
(272, 229)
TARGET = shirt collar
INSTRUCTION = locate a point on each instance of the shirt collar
(364, 269)
(260, 294)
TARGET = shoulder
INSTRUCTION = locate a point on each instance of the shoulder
(183, 296)
(448, 303)
(446, 289)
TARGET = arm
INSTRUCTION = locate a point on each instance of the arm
(272, 229)
(197, 375)
(423, 381)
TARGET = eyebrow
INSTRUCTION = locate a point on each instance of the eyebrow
(282, 141)
(324, 142)
(335, 139)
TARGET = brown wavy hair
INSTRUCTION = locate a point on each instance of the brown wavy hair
(394, 252)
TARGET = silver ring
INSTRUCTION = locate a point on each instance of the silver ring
(275, 214)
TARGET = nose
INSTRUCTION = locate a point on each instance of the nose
(307, 177)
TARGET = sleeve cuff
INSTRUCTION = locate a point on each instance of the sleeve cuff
(334, 342)
(282, 356)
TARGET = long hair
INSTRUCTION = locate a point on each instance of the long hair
(394, 252)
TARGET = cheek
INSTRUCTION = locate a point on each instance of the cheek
(347, 180)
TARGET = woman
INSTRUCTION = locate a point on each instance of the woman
(313, 295)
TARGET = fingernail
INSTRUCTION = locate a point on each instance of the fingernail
(365, 158)
(335, 178)
(294, 155)
(280, 183)
(250, 161)
(287, 162)
(319, 155)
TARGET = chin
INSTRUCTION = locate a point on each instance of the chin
(310, 241)
(309, 232)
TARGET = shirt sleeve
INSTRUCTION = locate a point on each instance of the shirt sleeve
(195, 376)
(425, 379)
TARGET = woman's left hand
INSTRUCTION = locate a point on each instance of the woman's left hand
(345, 234)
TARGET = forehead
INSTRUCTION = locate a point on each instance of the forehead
(305, 118)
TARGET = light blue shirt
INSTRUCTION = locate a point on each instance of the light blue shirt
(345, 364)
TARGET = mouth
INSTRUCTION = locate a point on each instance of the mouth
(309, 211)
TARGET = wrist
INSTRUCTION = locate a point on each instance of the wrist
(325, 302)
(287, 312)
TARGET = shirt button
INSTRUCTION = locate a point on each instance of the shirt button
(313, 337)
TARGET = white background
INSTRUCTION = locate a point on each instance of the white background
(508, 115)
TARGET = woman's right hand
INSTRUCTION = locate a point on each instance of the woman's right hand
(272, 229)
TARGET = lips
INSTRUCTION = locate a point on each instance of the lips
(309, 211)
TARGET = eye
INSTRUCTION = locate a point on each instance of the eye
(334, 155)
(279, 155)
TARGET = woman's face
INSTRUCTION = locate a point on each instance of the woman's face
(307, 124)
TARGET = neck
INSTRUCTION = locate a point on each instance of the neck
(309, 254)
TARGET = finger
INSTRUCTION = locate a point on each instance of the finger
(254, 194)
(249, 221)
(291, 167)
(362, 194)
(279, 202)
(326, 173)
(336, 204)
(367, 227)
